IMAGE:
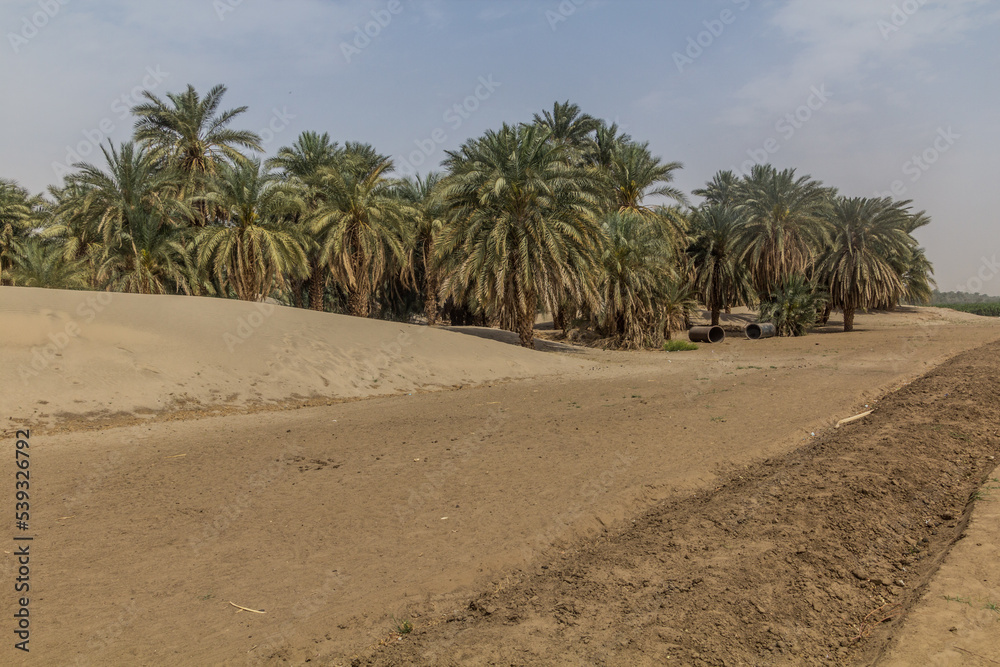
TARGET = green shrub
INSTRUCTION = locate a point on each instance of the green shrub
(792, 307)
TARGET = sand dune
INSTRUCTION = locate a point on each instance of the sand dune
(100, 354)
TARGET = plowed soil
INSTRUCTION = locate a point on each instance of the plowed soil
(811, 558)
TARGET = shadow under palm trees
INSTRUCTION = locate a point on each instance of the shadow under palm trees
(512, 338)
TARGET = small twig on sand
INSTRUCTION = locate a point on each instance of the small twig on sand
(853, 419)
(255, 611)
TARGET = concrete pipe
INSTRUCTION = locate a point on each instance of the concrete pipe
(707, 334)
(758, 331)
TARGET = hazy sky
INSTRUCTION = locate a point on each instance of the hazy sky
(865, 95)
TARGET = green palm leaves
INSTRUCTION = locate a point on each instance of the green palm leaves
(15, 214)
(523, 225)
(867, 236)
(721, 278)
(190, 133)
(360, 225)
(251, 246)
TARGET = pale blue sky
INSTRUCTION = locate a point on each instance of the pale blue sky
(869, 84)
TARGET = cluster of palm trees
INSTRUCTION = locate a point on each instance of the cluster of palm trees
(565, 214)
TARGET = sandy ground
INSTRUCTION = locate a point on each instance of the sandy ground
(809, 558)
(957, 622)
(337, 519)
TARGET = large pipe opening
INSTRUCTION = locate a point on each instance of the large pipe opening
(707, 334)
(758, 331)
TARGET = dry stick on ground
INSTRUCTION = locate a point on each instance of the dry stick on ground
(853, 419)
(255, 611)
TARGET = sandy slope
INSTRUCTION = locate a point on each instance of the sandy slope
(100, 354)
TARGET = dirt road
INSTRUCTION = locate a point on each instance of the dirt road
(336, 520)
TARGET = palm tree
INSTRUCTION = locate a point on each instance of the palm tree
(721, 278)
(421, 194)
(252, 247)
(151, 258)
(858, 268)
(15, 213)
(677, 300)
(361, 225)
(637, 261)
(302, 165)
(133, 186)
(567, 125)
(37, 262)
(636, 175)
(523, 225)
(785, 224)
(190, 133)
(916, 272)
(723, 189)
(607, 140)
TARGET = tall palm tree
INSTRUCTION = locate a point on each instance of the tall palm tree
(252, 247)
(786, 223)
(721, 278)
(190, 132)
(857, 269)
(523, 225)
(361, 225)
(302, 165)
(15, 213)
(422, 195)
(607, 140)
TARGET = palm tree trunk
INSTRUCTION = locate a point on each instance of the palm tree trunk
(431, 300)
(430, 284)
(715, 318)
(317, 281)
(848, 318)
(826, 314)
(360, 298)
(526, 327)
